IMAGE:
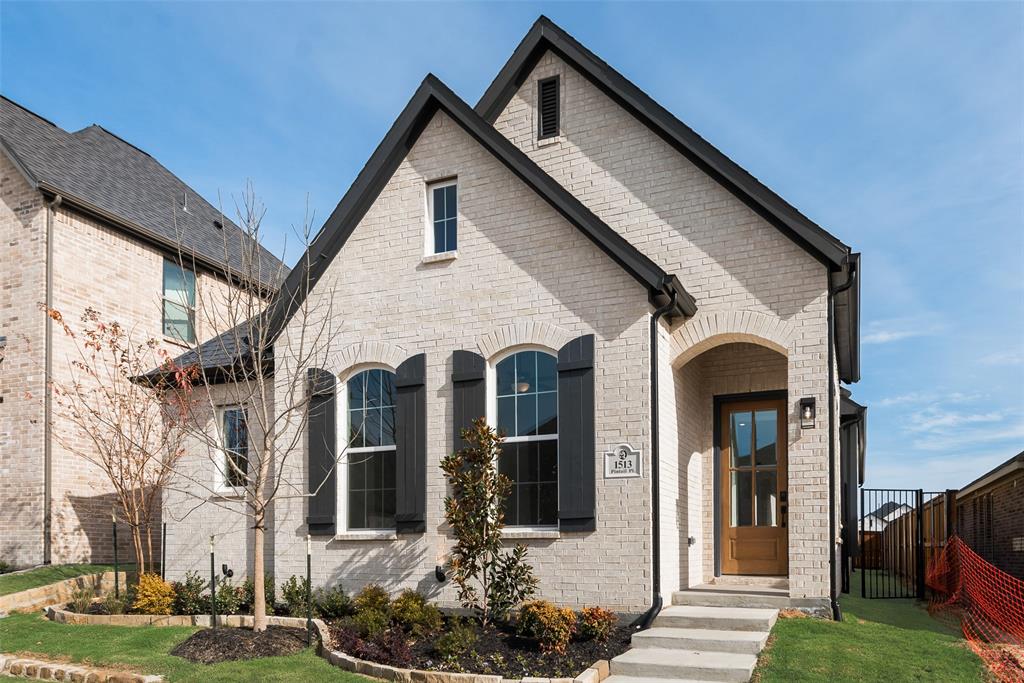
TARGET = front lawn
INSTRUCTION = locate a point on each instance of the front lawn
(42, 576)
(146, 650)
(878, 640)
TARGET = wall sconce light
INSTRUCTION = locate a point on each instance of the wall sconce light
(439, 574)
(807, 413)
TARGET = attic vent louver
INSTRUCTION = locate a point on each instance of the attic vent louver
(547, 108)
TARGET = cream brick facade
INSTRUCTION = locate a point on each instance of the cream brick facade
(93, 265)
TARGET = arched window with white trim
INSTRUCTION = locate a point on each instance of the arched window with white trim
(524, 391)
(368, 471)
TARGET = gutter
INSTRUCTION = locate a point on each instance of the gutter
(645, 621)
(837, 613)
(51, 207)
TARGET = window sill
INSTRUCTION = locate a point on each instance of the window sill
(368, 535)
(527, 534)
(229, 493)
(548, 142)
(442, 257)
(178, 342)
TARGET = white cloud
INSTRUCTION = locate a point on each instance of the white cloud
(1004, 358)
(935, 417)
(898, 329)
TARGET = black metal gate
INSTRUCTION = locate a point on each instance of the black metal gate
(900, 531)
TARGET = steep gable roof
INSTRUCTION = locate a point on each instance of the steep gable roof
(110, 178)
(433, 96)
(546, 35)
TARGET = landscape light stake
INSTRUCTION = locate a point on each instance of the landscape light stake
(117, 578)
(163, 553)
(213, 589)
(309, 589)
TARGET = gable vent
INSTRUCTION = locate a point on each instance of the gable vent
(547, 108)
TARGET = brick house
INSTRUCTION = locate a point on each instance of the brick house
(662, 338)
(990, 516)
(86, 219)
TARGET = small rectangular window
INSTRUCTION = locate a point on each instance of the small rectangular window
(235, 430)
(179, 302)
(547, 108)
(443, 211)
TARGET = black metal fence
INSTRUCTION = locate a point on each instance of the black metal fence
(900, 531)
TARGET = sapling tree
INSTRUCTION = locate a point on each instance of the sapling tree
(491, 580)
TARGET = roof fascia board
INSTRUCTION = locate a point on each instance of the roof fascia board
(166, 246)
(1009, 467)
(431, 96)
(545, 35)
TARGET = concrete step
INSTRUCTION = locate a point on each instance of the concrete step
(717, 618)
(732, 597)
(761, 581)
(684, 664)
(701, 639)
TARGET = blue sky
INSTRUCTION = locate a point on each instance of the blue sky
(898, 127)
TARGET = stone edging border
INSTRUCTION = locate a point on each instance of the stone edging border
(37, 669)
(61, 591)
(595, 674)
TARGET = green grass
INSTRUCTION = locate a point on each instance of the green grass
(146, 649)
(14, 583)
(878, 640)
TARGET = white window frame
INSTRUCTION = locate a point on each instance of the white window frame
(429, 248)
(492, 420)
(221, 467)
(342, 438)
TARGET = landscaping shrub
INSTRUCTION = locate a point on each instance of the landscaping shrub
(458, 639)
(116, 604)
(249, 593)
(295, 593)
(389, 646)
(394, 644)
(373, 597)
(81, 598)
(229, 597)
(370, 622)
(5, 567)
(552, 627)
(595, 623)
(332, 603)
(413, 613)
(153, 595)
(188, 595)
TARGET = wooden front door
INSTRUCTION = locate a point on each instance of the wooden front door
(753, 488)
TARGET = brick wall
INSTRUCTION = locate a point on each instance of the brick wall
(728, 257)
(991, 522)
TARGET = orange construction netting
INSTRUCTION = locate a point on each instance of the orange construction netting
(988, 603)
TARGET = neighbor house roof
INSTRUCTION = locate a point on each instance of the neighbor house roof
(1012, 465)
(111, 179)
(545, 35)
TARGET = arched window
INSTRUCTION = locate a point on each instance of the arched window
(369, 473)
(526, 411)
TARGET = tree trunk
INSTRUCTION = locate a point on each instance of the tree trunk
(259, 607)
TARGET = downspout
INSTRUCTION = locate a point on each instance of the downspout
(833, 595)
(648, 617)
(51, 206)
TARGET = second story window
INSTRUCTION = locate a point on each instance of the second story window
(235, 431)
(179, 302)
(547, 108)
(443, 211)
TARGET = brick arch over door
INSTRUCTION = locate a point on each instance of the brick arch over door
(524, 333)
(706, 330)
(371, 352)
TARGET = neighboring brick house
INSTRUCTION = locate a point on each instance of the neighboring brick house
(661, 336)
(990, 516)
(86, 220)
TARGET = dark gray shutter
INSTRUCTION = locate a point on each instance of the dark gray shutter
(577, 446)
(411, 446)
(322, 434)
(469, 392)
(547, 108)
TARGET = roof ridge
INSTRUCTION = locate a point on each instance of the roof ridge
(31, 113)
(121, 139)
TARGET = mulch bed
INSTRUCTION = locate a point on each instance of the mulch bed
(212, 645)
(498, 651)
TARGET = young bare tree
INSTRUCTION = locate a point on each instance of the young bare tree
(127, 429)
(270, 325)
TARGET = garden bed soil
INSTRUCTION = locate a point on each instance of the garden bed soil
(498, 651)
(212, 645)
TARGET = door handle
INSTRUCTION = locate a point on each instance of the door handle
(782, 511)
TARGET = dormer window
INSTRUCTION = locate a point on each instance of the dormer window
(547, 108)
(443, 210)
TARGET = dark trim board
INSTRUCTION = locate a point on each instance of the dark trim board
(718, 402)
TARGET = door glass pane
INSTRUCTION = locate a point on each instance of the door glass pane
(741, 498)
(766, 498)
(741, 431)
(767, 435)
